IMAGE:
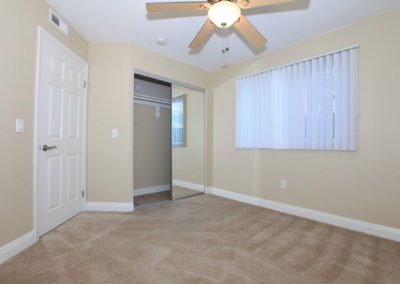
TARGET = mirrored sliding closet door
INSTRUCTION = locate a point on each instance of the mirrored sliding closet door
(188, 142)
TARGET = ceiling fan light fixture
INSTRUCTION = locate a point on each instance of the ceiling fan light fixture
(224, 14)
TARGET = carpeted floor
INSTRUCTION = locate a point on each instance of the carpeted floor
(204, 239)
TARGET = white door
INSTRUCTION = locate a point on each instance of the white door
(60, 133)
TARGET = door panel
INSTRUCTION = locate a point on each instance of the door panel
(60, 123)
(55, 112)
(72, 177)
(54, 185)
(72, 110)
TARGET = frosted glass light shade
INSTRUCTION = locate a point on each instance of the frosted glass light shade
(224, 14)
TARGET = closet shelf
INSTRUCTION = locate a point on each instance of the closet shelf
(149, 99)
(157, 103)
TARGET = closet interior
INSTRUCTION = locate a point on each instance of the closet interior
(168, 141)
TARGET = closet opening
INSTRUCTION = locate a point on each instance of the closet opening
(168, 141)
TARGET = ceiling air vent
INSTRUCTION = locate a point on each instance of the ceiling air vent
(58, 22)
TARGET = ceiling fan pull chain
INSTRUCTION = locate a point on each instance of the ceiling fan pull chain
(225, 42)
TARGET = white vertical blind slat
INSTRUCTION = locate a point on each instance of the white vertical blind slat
(322, 103)
(302, 106)
(346, 98)
(329, 102)
(338, 98)
(353, 99)
(308, 98)
(314, 104)
(294, 109)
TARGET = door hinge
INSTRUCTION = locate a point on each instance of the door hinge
(84, 84)
(83, 193)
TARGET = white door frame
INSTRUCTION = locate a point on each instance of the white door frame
(43, 34)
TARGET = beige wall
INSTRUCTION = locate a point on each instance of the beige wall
(363, 185)
(151, 146)
(188, 161)
(19, 20)
(110, 106)
(110, 163)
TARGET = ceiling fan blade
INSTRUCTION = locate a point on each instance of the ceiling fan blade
(177, 6)
(250, 33)
(203, 35)
(261, 3)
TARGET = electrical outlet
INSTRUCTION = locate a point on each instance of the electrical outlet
(283, 184)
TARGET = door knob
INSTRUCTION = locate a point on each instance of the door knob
(47, 148)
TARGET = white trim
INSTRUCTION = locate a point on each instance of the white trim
(339, 221)
(15, 247)
(35, 134)
(42, 33)
(152, 189)
(205, 140)
(165, 79)
(109, 207)
(299, 61)
(189, 185)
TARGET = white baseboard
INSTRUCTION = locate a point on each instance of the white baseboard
(189, 185)
(15, 247)
(339, 221)
(109, 207)
(152, 189)
(208, 190)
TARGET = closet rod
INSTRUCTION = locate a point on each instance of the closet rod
(152, 100)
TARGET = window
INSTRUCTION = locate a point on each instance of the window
(307, 105)
(178, 121)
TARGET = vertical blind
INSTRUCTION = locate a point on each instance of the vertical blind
(306, 105)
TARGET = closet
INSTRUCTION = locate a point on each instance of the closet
(168, 141)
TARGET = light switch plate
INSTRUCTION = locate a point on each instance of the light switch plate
(19, 125)
(114, 133)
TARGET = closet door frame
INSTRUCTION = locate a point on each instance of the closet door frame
(205, 119)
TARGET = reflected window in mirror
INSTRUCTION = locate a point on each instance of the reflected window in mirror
(179, 121)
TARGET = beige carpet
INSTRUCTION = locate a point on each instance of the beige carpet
(204, 239)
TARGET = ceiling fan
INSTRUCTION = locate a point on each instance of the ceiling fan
(221, 14)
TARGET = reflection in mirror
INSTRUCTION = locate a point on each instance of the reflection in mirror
(187, 125)
(178, 121)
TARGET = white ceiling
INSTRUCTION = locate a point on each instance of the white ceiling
(128, 21)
